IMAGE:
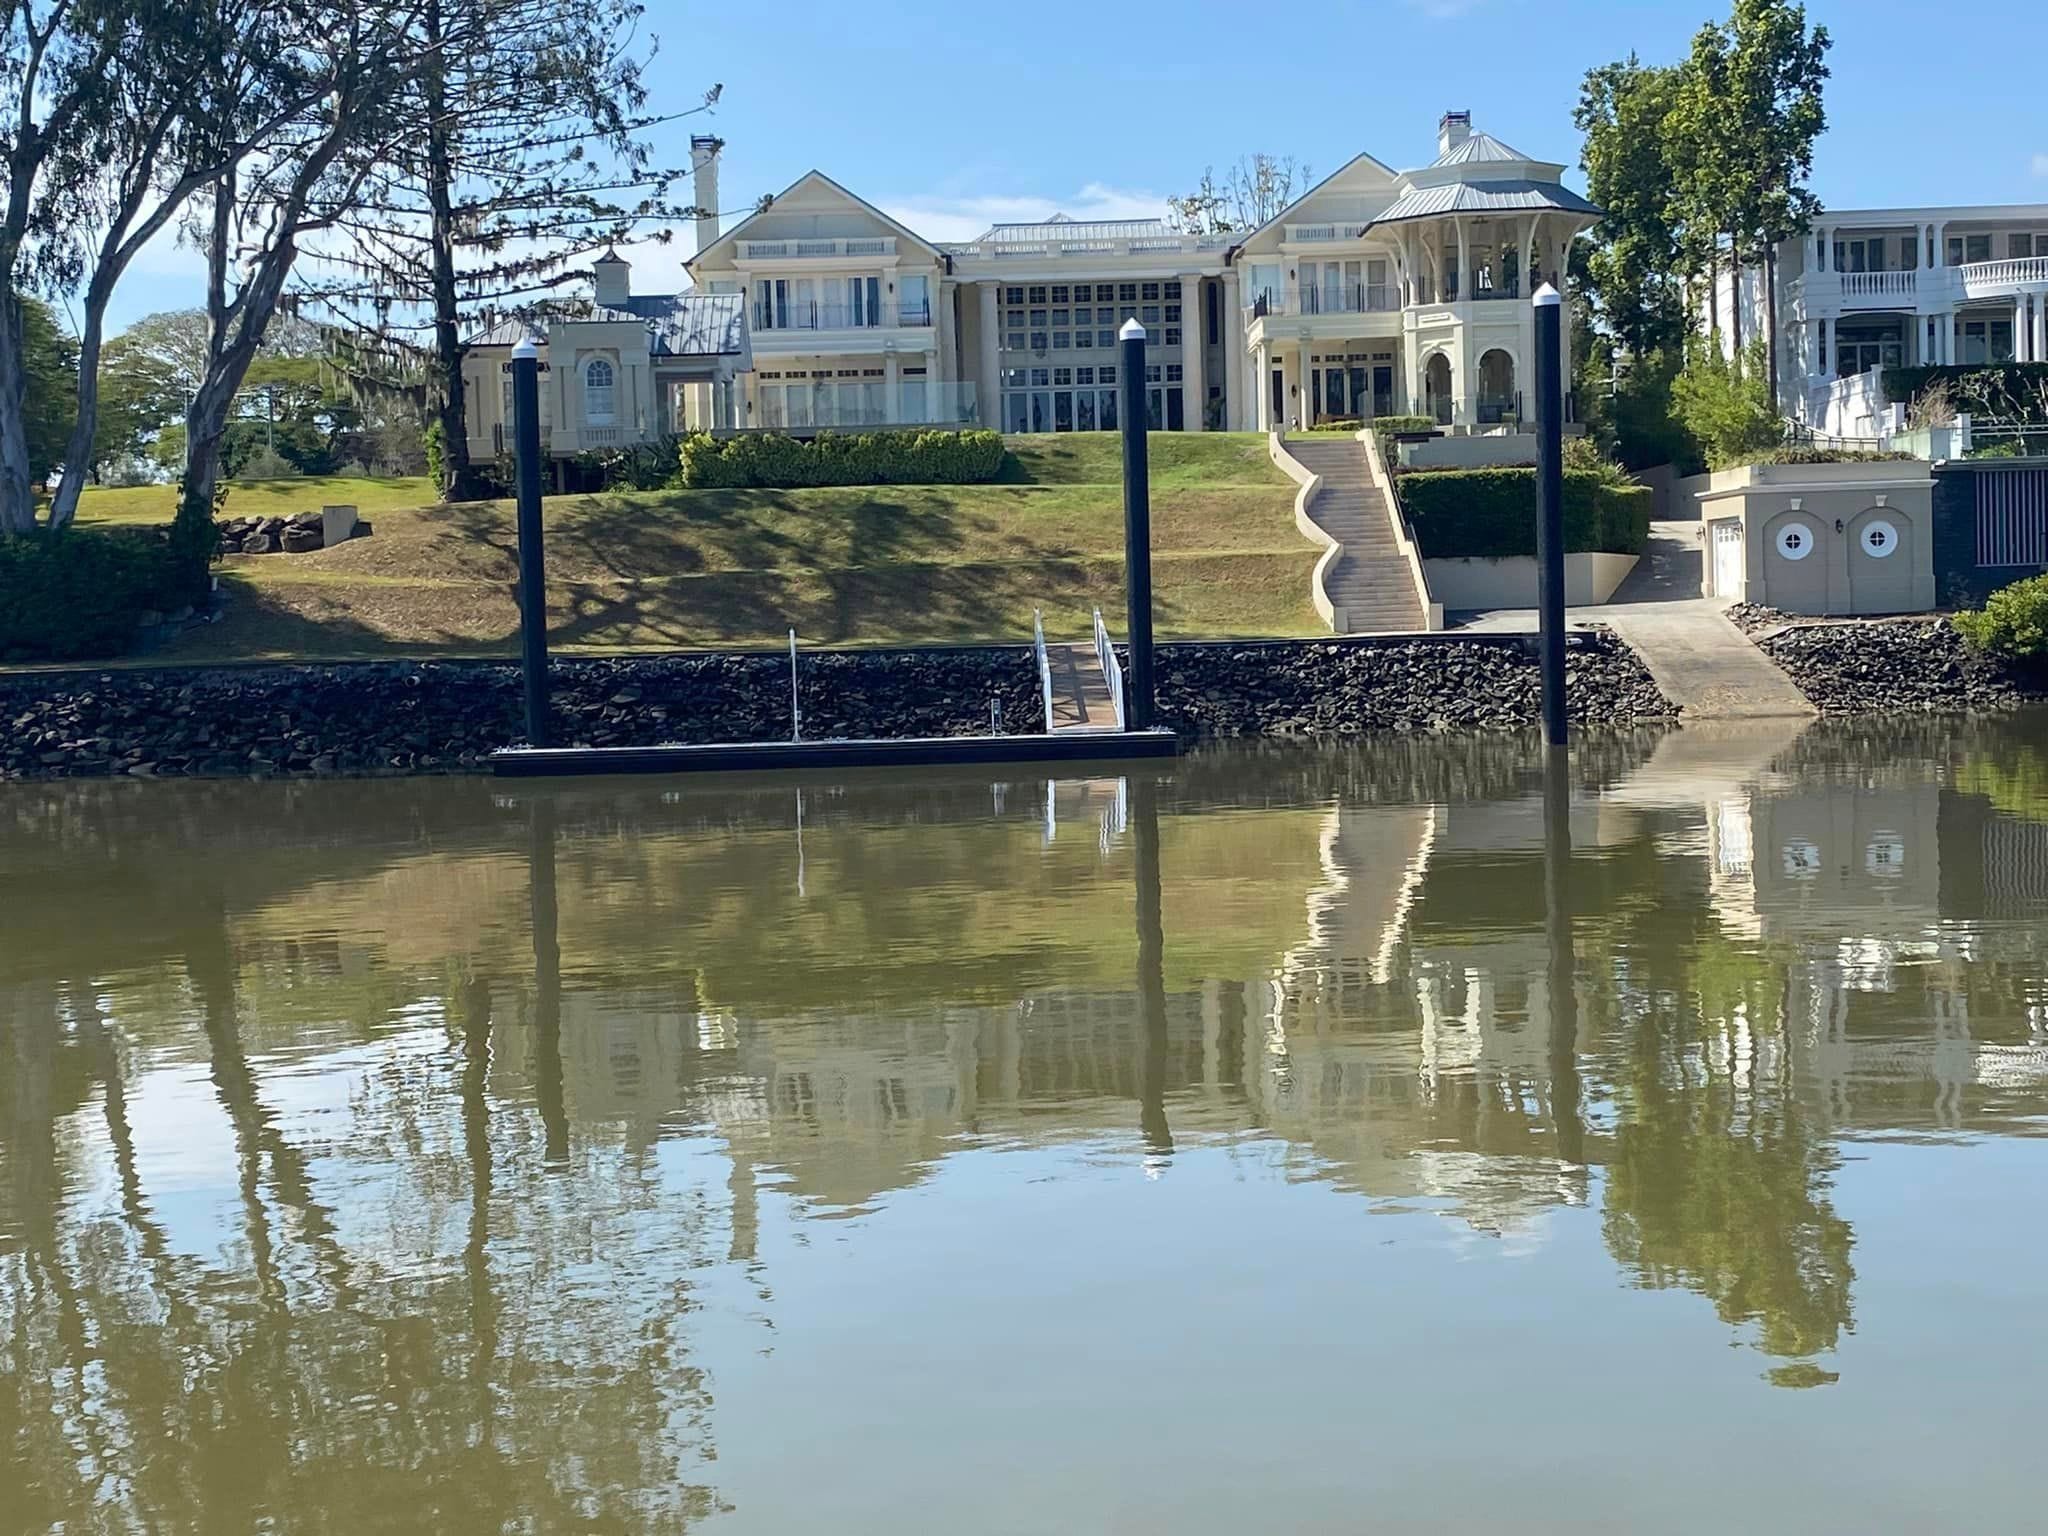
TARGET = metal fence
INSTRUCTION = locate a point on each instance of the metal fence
(2012, 517)
(1044, 664)
(1112, 670)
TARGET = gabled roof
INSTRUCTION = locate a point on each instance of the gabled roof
(1281, 216)
(1486, 197)
(1479, 149)
(821, 179)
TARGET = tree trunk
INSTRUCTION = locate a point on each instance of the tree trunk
(1735, 298)
(1714, 295)
(17, 492)
(1771, 315)
(78, 454)
(445, 386)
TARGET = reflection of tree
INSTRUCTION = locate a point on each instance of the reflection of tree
(336, 1366)
(1720, 1184)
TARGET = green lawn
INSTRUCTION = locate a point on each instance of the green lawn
(259, 498)
(847, 565)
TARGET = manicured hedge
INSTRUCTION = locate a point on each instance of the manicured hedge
(76, 593)
(832, 458)
(1491, 513)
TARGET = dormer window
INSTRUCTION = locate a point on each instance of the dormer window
(599, 394)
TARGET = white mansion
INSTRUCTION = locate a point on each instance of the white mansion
(1377, 292)
(1866, 290)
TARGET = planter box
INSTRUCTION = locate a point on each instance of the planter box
(1468, 585)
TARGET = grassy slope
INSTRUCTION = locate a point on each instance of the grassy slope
(843, 565)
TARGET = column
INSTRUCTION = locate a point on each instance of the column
(1194, 337)
(1233, 355)
(2041, 327)
(892, 386)
(990, 341)
(942, 366)
(1464, 259)
(1940, 248)
(1262, 386)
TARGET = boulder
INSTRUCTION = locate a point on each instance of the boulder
(300, 541)
(260, 544)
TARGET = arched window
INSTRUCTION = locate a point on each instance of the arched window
(597, 392)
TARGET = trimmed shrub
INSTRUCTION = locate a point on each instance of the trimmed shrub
(1491, 513)
(2013, 622)
(831, 458)
(73, 593)
(1386, 428)
(1806, 453)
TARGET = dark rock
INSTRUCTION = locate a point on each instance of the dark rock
(1897, 666)
(300, 540)
(259, 544)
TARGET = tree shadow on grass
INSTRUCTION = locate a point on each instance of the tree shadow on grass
(702, 531)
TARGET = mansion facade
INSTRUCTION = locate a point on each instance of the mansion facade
(1378, 292)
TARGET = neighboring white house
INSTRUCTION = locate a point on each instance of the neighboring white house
(1377, 292)
(1886, 288)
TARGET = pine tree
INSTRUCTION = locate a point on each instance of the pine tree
(524, 152)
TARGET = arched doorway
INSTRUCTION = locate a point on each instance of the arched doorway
(1497, 398)
(1881, 556)
(1436, 388)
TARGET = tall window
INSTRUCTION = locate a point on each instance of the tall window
(913, 299)
(599, 395)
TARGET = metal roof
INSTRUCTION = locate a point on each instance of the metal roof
(1480, 149)
(1486, 197)
(1060, 227)
(678, 324)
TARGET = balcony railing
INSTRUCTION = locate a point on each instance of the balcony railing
(1989, 279)
(1326, 299)
(1879, 288)
(815, 250)
(810, 315)
(1136, 245)
(1318, 234)
(1428, 293)
(841, 406)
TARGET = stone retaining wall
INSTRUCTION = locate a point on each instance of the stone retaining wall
(1896, 666)
(446, 717)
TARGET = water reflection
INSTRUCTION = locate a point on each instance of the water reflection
(412, 1155)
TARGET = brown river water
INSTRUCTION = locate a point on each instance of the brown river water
(1304, 1140)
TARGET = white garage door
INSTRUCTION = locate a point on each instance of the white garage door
(1727, 558)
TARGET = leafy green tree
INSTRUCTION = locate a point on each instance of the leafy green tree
(49, 364)
(1632, 263)
(1726, 405)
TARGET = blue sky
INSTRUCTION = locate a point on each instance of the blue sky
(951, 113)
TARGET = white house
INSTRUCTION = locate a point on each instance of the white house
(1377, 292)
(1871, 289)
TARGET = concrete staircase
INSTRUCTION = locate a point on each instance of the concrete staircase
(1370, 585)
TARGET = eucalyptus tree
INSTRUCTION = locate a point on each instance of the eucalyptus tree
(1633, 263)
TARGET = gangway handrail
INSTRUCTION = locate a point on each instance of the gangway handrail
(1112, 671)
(1044, 664)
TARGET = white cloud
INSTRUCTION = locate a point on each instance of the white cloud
(2041, 165)
(964, 218)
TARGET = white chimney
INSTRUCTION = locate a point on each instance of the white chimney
(1453, 130)
(704, 152)
(612, 277)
